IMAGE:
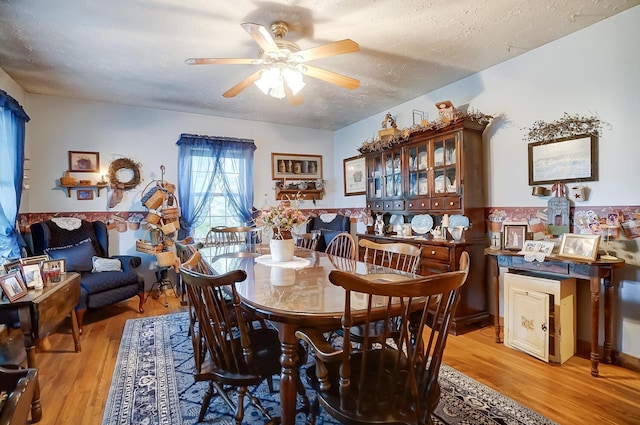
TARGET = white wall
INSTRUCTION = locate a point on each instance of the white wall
(149, 137)
(592, 72)
(12, 88)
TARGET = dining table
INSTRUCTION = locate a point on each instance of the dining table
(294, 294)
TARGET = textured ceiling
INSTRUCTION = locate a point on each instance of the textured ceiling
(132, 51)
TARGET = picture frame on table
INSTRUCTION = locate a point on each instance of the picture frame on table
(355, 176)
(579, 246)
(32, 275)
(84, 194)
(84, 162)
(12, 266)
(12, 286)
(36, 259)
(291, 166)
(514, 236)
(568, 159)
(52, 270)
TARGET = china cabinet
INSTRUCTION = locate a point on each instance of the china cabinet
(433, 173)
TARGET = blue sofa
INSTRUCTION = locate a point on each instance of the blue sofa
(79, 247)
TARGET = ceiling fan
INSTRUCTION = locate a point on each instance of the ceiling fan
(284, 63)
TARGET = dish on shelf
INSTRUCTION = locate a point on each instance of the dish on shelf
(440, 185)
(458, 220)
(422, 186)
(422, 161)
(421, 223)
(438, 157)
(396, 219)
(450, 155)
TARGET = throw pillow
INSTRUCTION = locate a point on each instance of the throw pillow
(328, 235)
(106, 265)
(78, 257)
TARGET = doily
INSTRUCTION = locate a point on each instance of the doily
(67, 223)
(296, 263)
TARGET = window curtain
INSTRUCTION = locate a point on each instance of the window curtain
(12, 126)
(207, 155)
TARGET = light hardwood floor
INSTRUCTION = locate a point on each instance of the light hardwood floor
(74, 386)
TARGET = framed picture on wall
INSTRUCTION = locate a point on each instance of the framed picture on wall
(355, 181)
(84, 162)
(84, 194)
(296, 166)
(569, 159)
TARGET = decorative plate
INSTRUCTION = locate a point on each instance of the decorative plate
(422, 223)
(396, 219)
(440, 183)
(459, 220)
(438, 157)
(422, 161)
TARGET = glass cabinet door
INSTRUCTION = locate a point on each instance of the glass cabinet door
(444, 165)
(393, 174)
(418, 169)
(374, 178)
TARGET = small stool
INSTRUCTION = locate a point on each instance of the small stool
(161, 285)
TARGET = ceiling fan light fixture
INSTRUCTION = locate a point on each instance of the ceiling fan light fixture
(272, 81)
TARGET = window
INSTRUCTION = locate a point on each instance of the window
(215, 183)
(219, 211)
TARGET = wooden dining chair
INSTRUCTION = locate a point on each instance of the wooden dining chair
(397, 255)
(306, 240)
(342, 245)
(235, 355)
(231, 235)
(395, 382)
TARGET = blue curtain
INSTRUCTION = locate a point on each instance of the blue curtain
(12, 124)
(207, 155)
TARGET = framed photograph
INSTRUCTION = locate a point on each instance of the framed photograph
(582, 247)
(32, 275)
(84, 162)
(36, 259)
(543, 248)
(84, 194)
(355, 181)
(12, 266)
(13, 286)
(52, 270)
(570, 159)
(514, 236)
(296, 166)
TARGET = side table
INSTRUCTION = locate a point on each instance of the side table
(41, 311)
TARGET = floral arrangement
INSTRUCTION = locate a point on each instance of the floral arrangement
(566, 126)
(282, 217)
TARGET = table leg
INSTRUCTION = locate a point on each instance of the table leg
(608, 296)
(495, 274)
(595, 314)
(74, 330)
(289, 373)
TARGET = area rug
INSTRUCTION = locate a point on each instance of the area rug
(153, 384)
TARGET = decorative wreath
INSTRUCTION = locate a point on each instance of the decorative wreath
(124, 164)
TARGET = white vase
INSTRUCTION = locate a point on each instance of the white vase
(282, 249)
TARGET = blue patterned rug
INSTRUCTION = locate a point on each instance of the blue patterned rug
(153, 384)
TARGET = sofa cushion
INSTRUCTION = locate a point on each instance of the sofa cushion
(105, 265)
(78, 257)
(93, 283)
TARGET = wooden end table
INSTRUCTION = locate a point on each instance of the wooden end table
(43, 310)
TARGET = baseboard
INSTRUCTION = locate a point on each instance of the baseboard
(619, 359)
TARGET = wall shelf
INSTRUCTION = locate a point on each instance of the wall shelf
(71, 187)
(306, 194)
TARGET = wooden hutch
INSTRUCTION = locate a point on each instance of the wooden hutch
(437, 172)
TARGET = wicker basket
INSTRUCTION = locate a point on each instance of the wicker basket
(153, 217)
(156, 199)
(169, 226)
(144, 245)
(67, 180)
(166, 258)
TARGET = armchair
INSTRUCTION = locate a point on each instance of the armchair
(79, 241)
(328, 225)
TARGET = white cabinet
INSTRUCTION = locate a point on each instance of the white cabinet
(540, 316)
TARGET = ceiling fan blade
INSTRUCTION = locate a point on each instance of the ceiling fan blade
(222, 61)
(235, 90)
(261, 36)
(293, 99)
(330, 49)
(330, 77)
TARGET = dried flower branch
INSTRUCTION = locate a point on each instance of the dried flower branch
(564, 127)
